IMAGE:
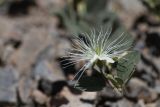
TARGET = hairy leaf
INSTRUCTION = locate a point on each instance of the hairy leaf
(126, 65)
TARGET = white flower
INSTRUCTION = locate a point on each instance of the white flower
(99, 45)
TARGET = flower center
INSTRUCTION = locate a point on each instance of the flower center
(98, 51)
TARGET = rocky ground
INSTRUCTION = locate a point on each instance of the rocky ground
(31, 47)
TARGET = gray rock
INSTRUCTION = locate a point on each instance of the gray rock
(158, 103)
(120, 103)
(74, 100)
(8, 84)
(125, 103)
(50, 4)
(39, 97)
(135, 6)
(109, 94)
(140, 103)
(151, 105)
(62, 46)
(47, 71)
(25, 87)
(157, 86)
(127, 11)
(110, 104)
(137, 89)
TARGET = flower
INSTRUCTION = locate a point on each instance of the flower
(104, 45)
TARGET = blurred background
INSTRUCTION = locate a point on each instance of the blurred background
(34, 35)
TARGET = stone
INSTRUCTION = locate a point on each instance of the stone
(33, 32)
(157, 86)
(109, 104)
(151, 105)
(137, 89)
(125, 103)
(127, 11)
(62, 48)
(88, 95)
(107, 97)
(156, 62)
(31, 47)
(8, 84)
(25, 87)
(39, 97)
(74, 100)
(140, 103)
(47, 5)
(47, 71)
(109, 94)
(158, 103)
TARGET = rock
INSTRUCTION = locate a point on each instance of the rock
(88, 95)
(47, 5)
(149, 79)
(39, 97)
(157, 86)
(140, 103)
(62, 48)
(10, 31)
(34, 35)
(8, 84)
(123, 8)
(31, 47)
(137, 89)
(109, 94)
(156, 61)
(134, 86)
(25, 87)
(158, 103)
(107, 97)
(135, 6)
(74, 100)
(124, 103)
(139, 45)
(7, 53)
(47, 71)
(109, 104)
(151, 105)
(46, 54)
(2, 48)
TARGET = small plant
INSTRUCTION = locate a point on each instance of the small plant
(108, 54)
(106, 51)
(78, 15)
(153, 6)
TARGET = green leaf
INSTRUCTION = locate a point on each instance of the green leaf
(91, 83)
(126, 65)
(100, 5)
(74, 24)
